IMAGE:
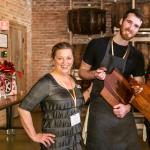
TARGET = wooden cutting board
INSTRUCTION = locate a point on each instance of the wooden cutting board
(118, 90)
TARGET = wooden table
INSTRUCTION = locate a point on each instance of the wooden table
(7, 104)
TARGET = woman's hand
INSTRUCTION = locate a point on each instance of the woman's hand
(26, 119)
(44, 138)
(121, 110)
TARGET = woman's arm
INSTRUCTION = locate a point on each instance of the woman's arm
(27, 123)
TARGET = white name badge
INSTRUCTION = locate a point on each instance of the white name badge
(75, 119)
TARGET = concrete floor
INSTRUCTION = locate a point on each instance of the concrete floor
(20, 140)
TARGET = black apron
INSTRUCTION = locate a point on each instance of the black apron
(105, 131)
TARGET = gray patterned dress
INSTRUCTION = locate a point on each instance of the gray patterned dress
(57, 107)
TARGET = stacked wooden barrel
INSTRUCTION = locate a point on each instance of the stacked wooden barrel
(145, 10)
(119, 9)
(87, 21)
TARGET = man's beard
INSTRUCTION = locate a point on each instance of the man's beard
(124, 35)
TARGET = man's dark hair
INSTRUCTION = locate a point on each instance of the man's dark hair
(136, 12)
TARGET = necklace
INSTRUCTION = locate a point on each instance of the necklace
(112, 49)
(72, 94)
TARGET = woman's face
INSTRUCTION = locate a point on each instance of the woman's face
(63, 60)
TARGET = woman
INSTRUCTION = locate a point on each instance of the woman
(60, 99)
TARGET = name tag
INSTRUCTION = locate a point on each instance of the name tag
(78, 86)
(75, 119)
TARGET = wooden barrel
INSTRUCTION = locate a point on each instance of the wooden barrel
(142, 103)
(144, 47)
(86, 21)
(118, 9)
(145, 10)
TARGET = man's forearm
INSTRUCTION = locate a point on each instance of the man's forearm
(87, 74)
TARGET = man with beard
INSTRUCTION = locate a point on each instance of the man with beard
(113, 128)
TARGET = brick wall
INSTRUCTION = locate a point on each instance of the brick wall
(49, 26)
(18, 11)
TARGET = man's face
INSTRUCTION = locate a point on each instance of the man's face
(130, 26)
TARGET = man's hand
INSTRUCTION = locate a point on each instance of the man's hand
(121, 110)
(137, 89)
(136, 84)
(100, 73)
